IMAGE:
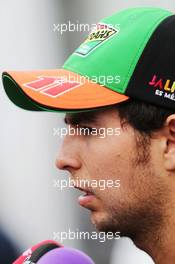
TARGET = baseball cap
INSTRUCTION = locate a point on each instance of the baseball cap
(130, 54)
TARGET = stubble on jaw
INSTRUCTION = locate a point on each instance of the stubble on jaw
(142, 217)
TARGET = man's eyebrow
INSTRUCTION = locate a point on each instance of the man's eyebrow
(79, 118)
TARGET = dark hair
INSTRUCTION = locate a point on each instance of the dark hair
(144, 117)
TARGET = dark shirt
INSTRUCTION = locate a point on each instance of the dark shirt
(8, 252)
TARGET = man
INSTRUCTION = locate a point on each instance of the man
(120, 79)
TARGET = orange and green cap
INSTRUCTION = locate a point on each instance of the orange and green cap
(130, 54)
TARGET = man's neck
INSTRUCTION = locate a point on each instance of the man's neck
(160, 244)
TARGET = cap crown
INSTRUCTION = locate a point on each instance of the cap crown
(113, 49)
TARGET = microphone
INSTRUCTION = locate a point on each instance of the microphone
(33, 254)
(65, 256)
(51, 252)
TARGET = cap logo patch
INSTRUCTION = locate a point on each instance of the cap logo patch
(51, 86)
(98, 35)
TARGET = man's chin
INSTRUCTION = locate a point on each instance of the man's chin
(104, 222)
(101, 221)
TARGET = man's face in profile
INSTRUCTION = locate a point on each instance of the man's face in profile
(129, 157)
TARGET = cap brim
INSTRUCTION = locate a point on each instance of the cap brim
(57, 90)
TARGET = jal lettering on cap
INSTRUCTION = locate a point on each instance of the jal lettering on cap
(163, 88)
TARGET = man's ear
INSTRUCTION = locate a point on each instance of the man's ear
(169, 153)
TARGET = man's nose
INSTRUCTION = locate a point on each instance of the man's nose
(67, 163)
(68, 159)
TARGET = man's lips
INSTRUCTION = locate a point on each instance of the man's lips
(87, 191)
(86, 199)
